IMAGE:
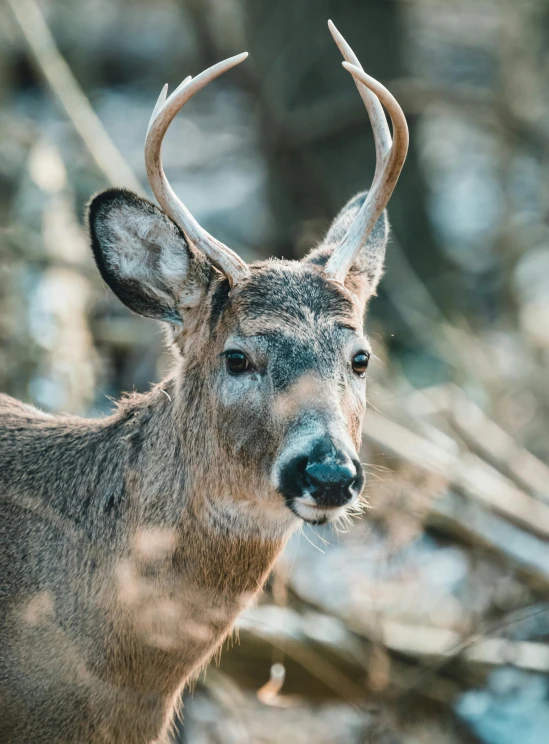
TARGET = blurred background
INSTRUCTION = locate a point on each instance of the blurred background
(428, 621)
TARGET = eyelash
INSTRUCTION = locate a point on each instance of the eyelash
(234, 356)
(360, 367)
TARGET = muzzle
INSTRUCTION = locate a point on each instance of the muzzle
(322, 480)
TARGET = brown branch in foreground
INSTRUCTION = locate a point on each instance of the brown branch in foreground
(65, 87)
(472, 476)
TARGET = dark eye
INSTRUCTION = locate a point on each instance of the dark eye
(360, 363)
(237, 362)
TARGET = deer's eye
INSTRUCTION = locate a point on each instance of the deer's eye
(360, 363)
(237, 362)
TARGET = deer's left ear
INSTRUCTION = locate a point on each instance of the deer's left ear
(364, 275)
(144, 257)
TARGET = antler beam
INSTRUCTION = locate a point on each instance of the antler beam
(390, 157)
(221, 256)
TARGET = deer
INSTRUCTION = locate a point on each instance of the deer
(130, 544)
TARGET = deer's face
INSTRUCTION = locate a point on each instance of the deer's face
(287, 384)
(272, 372)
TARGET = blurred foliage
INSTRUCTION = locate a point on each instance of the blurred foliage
(428, 621)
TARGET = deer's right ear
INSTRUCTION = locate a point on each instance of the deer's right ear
(144, 257)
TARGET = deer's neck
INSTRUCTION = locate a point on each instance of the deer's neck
(151, 469)
(190, 557)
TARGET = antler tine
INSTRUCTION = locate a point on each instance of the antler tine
(345, 254)
(221, 256)
(158, 105)
(382, 135)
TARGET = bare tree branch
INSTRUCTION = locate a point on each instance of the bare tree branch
(65, 87)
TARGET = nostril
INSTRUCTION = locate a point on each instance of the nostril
(300, 469)
(294, 475)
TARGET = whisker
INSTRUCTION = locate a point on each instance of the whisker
(310, 541)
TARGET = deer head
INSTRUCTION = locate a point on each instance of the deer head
(269, 387)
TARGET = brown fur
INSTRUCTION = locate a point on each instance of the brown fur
(129, 545)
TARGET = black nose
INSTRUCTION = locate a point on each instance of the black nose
(329, 480)
(328, 473)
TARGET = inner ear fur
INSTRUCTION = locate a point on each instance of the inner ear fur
(144, 257)
(364, 275)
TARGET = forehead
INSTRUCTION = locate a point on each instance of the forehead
(290, 297)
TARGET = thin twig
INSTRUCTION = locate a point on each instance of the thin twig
(65, 87)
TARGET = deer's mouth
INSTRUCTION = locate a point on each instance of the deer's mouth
(307, 510)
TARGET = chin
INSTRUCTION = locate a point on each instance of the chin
(312, 513)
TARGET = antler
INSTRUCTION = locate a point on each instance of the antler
(390, 158)
(226, 260)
